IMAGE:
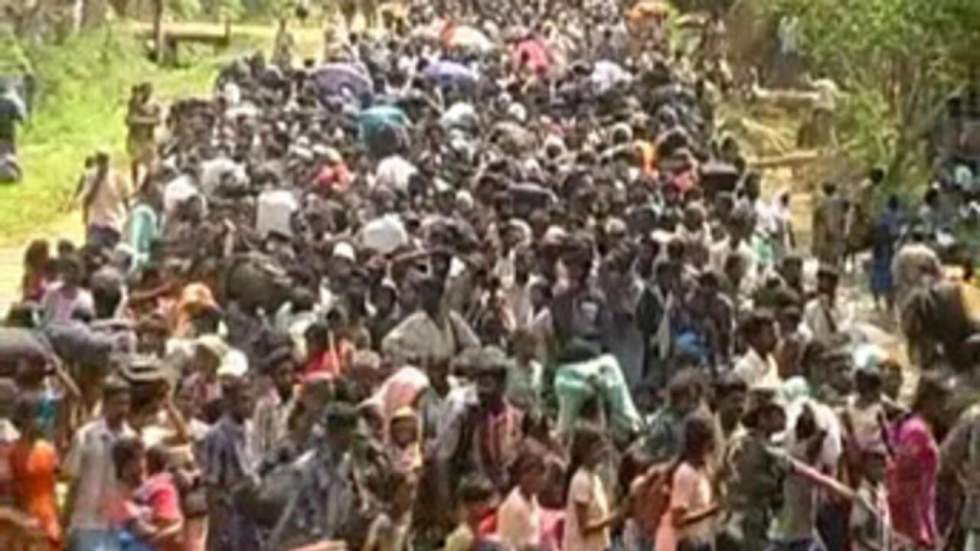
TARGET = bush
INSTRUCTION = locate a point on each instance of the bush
(897, 59)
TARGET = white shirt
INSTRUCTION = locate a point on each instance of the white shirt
(212, 172)
(89, 464)
(756, 370)
(519, 520)
(107, 199)
(822, 320)
(395, 172)
(384, 234)
(720, 251)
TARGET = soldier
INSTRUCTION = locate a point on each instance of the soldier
(754, 474)
(829, 225)
(12, 114)
(285, 44)
(142, 119)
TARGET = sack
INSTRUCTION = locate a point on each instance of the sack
(650, 496)
(78, 343)
(18, 345)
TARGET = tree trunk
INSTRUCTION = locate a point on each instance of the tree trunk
(121, 7)
(93, 13)
(158, 44)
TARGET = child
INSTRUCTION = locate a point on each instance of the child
(37, 262)
(405, 440)
(688, 523)
(476, 498)
(144, 515)
(519, 516)
(62, 300)
(864, 414)
(871, 530)
(33, 382)
(587, 515)
(158, 493)
(525, 376)
(132, 531)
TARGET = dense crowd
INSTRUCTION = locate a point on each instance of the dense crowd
(472, 287)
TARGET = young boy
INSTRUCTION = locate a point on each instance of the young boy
(871, 530)
(519, 516)
(525, 376)
(864, 412)
(476, 498)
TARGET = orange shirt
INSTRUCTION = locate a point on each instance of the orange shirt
(35, 468)
(332, 361)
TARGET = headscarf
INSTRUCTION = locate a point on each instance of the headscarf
(401, 390)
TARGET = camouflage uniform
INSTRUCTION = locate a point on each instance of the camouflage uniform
(755, 484)
(141, 142)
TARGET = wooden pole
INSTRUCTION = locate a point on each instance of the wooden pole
(158, 32)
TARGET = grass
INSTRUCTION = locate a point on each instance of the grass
(84, 86)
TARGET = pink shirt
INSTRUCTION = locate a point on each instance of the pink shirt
(519, 520)
(690, 490)
(912, 480)
(159, 493)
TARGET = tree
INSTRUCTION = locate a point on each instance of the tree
(898, 59)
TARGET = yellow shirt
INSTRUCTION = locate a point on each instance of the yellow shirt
(586, 489)
(460, 540)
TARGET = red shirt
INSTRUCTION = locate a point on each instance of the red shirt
(159, 494)
(335, 177)
(332, 361)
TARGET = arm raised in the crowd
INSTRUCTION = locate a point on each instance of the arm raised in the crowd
(66, 379)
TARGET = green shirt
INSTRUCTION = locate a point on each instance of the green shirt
(525, 384)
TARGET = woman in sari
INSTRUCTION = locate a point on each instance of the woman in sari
(915, 466)
(33, 465)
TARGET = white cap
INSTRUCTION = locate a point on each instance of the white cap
(555, 235)
(464, 199)
(344, 250)
(517, 112)
(234, 364)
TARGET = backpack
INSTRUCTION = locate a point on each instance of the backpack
(650, 496)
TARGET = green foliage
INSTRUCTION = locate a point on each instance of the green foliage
(897, 59)
(83, 87)
(244, 9)
(184, 9)
(12, 55)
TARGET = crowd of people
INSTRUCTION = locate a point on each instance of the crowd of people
(480, 288)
